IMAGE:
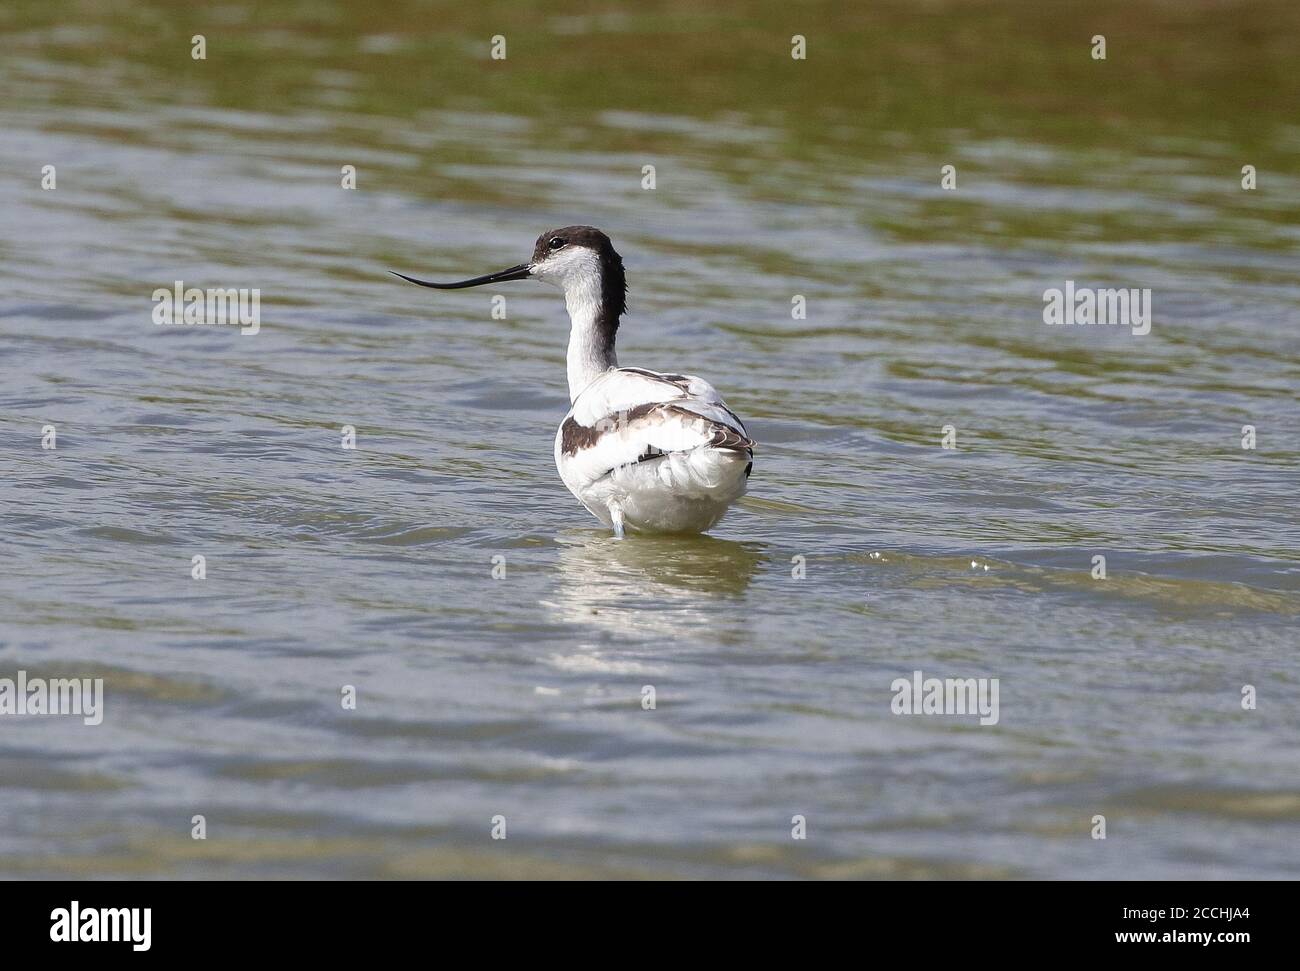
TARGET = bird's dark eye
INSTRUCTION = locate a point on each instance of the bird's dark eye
(555, 242)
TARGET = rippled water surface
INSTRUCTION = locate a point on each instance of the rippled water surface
(522, 697)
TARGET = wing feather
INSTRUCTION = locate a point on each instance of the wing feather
(629, 415)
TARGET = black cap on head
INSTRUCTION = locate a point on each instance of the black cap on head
(613, 280)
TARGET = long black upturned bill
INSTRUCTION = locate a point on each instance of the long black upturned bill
(519, 272)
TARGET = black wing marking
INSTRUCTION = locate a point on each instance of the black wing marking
(683, 383)
(575, 437)
(676, 380)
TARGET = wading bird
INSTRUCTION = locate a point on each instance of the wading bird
(644, 451)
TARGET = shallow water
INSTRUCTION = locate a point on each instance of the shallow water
(522, 697)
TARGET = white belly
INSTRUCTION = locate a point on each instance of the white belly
(682, 492)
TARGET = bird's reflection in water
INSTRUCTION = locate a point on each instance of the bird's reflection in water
(659, 585)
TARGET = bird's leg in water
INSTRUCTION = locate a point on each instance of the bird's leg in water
(616, 514)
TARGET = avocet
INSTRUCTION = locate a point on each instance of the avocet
(644, 451)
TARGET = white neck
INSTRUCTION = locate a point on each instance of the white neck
(590, 355)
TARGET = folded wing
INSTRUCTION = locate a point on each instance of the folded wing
(628, 416)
